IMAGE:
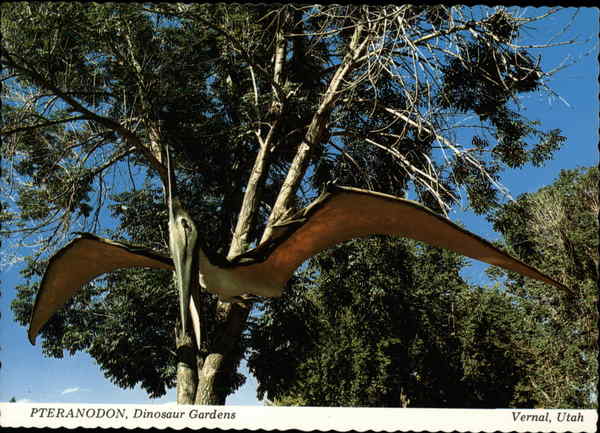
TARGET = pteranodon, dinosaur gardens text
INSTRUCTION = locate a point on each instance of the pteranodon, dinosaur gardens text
(339, 214)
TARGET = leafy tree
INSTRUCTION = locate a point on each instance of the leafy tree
(431, 339)
(260, 105)
(556, 228)
(401, 328)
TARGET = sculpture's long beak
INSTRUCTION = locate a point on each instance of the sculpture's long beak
(183, 240)
(183, 243)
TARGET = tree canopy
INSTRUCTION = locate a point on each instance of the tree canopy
(557, 228)
(261, 105)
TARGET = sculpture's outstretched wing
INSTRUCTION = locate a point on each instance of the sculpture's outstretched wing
(79, 262)
(343, 213)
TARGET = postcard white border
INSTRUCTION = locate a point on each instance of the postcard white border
(301, 418)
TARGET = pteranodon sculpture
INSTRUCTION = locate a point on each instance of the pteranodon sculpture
(339, 214)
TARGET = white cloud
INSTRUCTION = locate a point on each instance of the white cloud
(24, 400)
(70, 390)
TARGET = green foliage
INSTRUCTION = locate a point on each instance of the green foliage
(556, 228)
(485, 86)
(495, 367)
(390, 323)
(287, 401)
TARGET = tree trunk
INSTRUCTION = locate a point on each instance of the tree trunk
(213, 377)
(208, 391)
(215, 373)
(187, 368)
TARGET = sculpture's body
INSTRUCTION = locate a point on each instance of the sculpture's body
(340, 214)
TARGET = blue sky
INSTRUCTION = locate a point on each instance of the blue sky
(28, 376)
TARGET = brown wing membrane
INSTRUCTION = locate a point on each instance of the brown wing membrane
(78, 263)
(345, 213)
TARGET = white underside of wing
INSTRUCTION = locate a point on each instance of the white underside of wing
(229, 283)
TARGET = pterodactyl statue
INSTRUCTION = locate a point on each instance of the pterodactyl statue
(339, 214)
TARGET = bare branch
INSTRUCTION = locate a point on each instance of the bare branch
(41, 125)
(128, 135)
(115, 158)
(261, 164)
(315, 130)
